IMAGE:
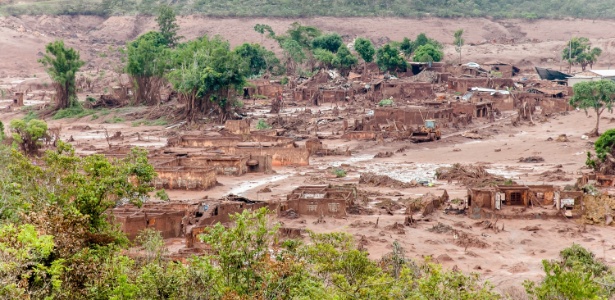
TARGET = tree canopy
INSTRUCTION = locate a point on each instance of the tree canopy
(167, 24)
(596, 95)
(147, 62)
(365, 48)
(389, 59)
(428, 53)
(579, 51)
(330, 41)
(258, 58)
(62, 65)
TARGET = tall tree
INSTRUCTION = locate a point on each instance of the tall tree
(167, 23)
(459, 41)
(331, 42)
(147, 62)
(428, 53)
(344, 59)
(206, 73)
(62, 64)
(258, 58)
(594, 94)
(389, 59)
(406, 47)
(579, 51)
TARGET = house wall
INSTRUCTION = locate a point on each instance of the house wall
(224, 165)
(464, 84)
(552, 105)
(192, 141)
(185, 178)
(279, 156)
(168, 223)
(317, 207)
(482, 198)
(410, 117)
(238, 126)
(360, 135)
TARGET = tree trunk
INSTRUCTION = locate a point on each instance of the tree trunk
(595, 132)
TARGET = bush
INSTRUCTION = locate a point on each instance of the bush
(162, 195)
(386, 102)
(72, 112)
(27, 134)
(339, 173)
(1, 131)
(262, 125)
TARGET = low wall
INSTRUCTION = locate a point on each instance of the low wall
(360, 135)
(317, 207)
(185, 178)
(279, 156)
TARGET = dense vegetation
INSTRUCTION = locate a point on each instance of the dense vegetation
(56, 242)
(338, 8)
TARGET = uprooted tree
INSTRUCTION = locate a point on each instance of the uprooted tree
(62, 64)
(207, 74)
(594, 94)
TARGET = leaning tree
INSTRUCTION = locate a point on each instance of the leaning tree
(62, 64)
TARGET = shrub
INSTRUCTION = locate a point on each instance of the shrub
(386, 102)
(262, 124)
(339, 173)
(27, 134)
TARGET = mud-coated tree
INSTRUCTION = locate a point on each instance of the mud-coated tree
(206, 73)
(147, 62)
(459, 41)
(594, 94)
(62, 65)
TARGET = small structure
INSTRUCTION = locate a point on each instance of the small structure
(503, 69)
(592, 75)
(487, 201)
(328, 201)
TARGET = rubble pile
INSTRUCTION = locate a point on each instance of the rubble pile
(469, 175)
(376, 180)
(556, 175)
(598, 209)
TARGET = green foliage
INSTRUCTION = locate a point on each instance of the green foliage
(258, 59)
(325, 57)
(458, 42)
(205, 71)
(162, 195)
(147, 62)
(114, 120)
(262, 125)
(407, 47)
(388, 58)
(28, 134)
(577, 275)
(76, 111)
(331, 42)
(344, 59)
(62, 64)
(604, 144)
(1, 131)
(578, 51)
(594, 94)
(339, 173)
(428, 53)
(365, 48)
(386, 102)
(167, 24)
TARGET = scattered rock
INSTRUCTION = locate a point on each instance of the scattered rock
(562, 138)
(531, 228)
(383, 154)
(443, 257)
(265, 190)
(531, 159)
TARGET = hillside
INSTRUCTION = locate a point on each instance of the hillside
(597, 9)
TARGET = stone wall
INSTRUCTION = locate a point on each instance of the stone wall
(185, 178)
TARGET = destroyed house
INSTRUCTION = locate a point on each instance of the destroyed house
(411, 116)
(262, 87)
(503, 69)
(502, 196)
(329, 201)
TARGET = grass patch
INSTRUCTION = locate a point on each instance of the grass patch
(30, 116)
(157, 122)
(114, 120)
(73, 112)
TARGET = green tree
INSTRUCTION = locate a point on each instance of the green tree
(406, 47)
(262, 28)
(147, 62)
(594, 94)
(62, 65)
(207, 74)
(325, 57)
(579, 51)
(427, 53)
(331, 42)
(389, 59)
(1, 131)
(167, 23)
(258, 58)
(577, 275)
(459, 41)
(344, 59)
(28, 134)
(365, 48)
